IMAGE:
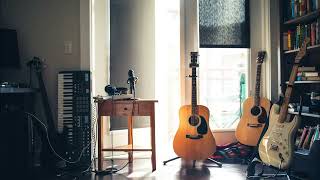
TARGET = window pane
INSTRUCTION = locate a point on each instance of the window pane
(222, 84)
(224, 23)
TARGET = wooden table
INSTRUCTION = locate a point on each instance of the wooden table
(126, 108)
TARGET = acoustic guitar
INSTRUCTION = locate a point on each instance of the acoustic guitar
(255, 112)
(277, 145)
(194, 139)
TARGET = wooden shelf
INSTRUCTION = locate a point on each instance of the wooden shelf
(305, 114)
(305, 82)
(304, 18)
(297, 50)
(127, 148)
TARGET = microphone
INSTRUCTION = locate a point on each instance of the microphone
(132, 80)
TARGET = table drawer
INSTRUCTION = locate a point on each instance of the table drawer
(125, 109)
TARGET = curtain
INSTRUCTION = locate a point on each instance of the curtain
(224, 24)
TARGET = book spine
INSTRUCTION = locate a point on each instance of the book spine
(313, 34)
(317, 32)
(296, 8)
(305, 68)
(304, 133)
(289, 40)
(310, 74)
(285, 41)
(293, 9)
(313, 5)
(302, 7)
(297, 37)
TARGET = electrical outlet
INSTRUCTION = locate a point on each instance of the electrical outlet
(67, 47)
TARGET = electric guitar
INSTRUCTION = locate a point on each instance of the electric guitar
(277, 145)
(255, 112)
(194, 139)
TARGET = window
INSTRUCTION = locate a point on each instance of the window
(223, 84)
(224, 56)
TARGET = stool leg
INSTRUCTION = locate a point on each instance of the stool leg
(130, 138)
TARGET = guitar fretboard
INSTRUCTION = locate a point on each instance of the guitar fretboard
(257, 88)
(194, 91)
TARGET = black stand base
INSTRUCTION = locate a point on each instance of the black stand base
(209, 159)
(251, 171)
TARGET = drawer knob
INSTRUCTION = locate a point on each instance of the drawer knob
(125, 108)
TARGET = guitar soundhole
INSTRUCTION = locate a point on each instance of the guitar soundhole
(194, 120)
(255, 111)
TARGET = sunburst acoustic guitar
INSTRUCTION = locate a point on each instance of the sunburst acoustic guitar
(255, 112)
(194, 139)
(277, 145)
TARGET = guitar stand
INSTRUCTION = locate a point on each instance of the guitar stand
(251, 171)
(194, 162)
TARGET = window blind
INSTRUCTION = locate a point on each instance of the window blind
(224, 24)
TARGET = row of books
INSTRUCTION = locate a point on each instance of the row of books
(302, 7)
(308, 74)
(294, 37)
(306, 137)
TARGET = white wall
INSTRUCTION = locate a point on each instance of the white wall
(42, 28)
(132, 46)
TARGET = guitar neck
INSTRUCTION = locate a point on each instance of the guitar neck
(194, 91)
(257, 88)
(286, 100)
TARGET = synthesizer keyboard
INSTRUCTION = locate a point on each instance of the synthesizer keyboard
(74, 113)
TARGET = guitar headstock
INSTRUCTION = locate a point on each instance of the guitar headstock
(194, 60)
(302, 51)
(261, 56)
(36, 63)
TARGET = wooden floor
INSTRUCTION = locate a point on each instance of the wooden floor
(175, 170)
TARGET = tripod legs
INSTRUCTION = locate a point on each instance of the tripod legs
(209, 159)
(165, 162)
(216, 162)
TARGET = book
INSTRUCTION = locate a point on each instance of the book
(289, 36)
(306, 68)
(310, 74)
(307, 140)
(303, 136)
(293, 9)
(315, 78)
(313, 34)
(315, 135)
(317, 32)
(286, 43)
(302, 8)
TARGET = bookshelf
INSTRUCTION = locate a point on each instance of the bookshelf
(310, 48)
(298, 21)
(305, 82)
(305, 18)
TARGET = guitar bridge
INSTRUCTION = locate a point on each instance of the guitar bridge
(254, 125)
(199, 136)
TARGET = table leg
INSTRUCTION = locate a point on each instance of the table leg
(153, 141)
(130, 138)
(100, 140)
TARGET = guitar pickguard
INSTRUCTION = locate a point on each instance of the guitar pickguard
(203, 127)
